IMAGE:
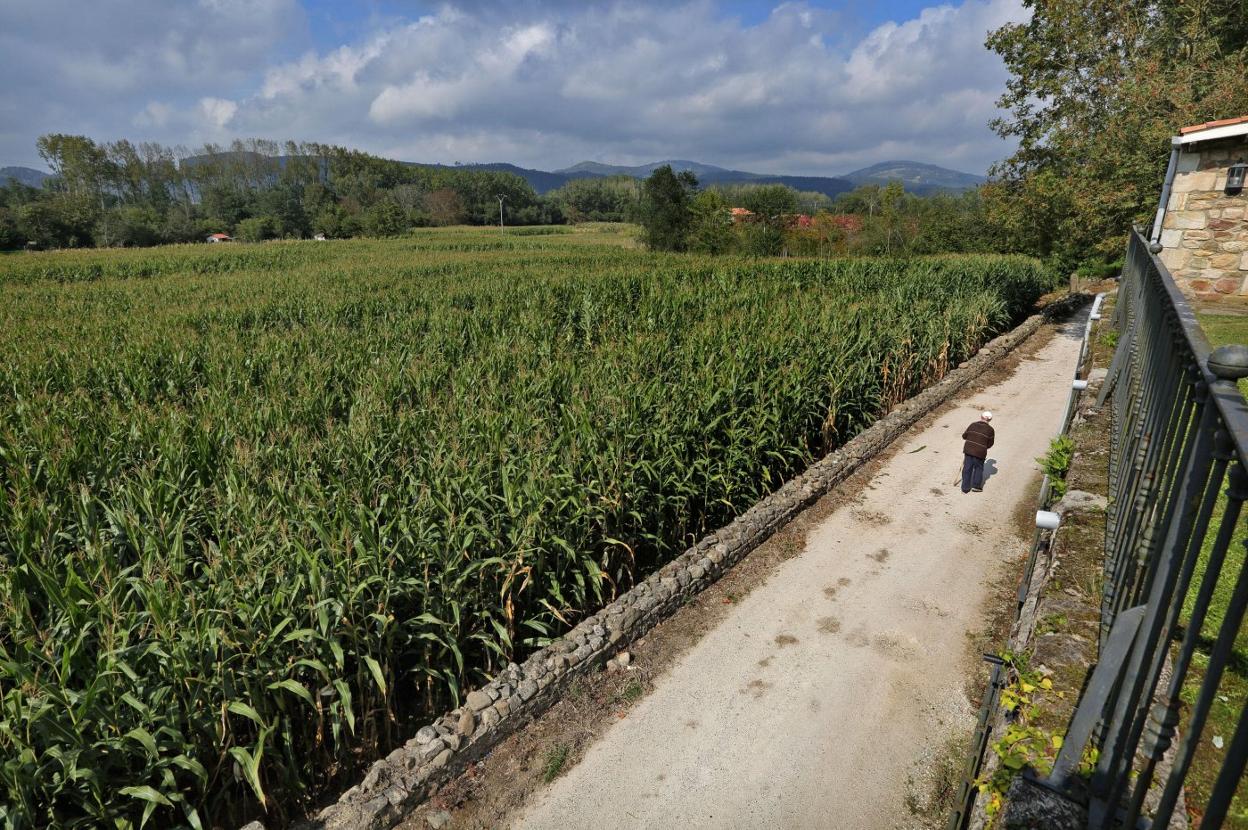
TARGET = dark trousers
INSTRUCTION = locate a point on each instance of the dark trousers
(972, 474)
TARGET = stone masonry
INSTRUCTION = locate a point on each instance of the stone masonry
(1204, 235)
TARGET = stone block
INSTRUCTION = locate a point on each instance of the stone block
(1233, 213)
(1228, 285)
(1171, 238)
(1174, 258)
(466, 723)
(1187, 163)
(1029, 806)
(1224, 262)
(1243, 261)
(1195, 181)
(1186, 219)
(1177, 201)
(479, 700)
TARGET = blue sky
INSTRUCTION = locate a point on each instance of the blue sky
(811, 87)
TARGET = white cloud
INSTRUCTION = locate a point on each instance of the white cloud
(105, 69)
(154, 115)
(547, 86)
(217, 112)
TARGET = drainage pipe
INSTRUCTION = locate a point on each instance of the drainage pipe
(1155, 237)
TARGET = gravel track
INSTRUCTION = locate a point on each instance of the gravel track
(824, 690)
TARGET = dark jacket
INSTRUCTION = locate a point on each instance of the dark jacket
(979, 437)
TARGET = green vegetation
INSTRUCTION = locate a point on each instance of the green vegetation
(1097, 89)
(631, 691)
(1232, 693)
(556, 757)
(1026, 741)
(665, 209)
(778, 220)
(1056, 463)
(268, 506)
(122, 195)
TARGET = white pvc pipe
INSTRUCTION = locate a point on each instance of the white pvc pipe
(1047, 520)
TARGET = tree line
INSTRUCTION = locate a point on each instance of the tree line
(1096, 90)
(677, 215)
(126, 194)
(123, 194)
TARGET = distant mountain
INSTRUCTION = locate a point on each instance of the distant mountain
(710, 174)
(827, 185)
(915, 176)
(540, 180)
(26, 175)
(595, 168)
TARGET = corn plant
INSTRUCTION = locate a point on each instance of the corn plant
(268, 507)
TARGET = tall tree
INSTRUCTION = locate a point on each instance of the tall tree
(81, 166)
(711, 227)
(1097, 88)
(665, 213)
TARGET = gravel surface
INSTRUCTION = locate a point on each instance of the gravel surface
(816, 697)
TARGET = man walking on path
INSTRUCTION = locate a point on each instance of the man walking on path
(978, 437)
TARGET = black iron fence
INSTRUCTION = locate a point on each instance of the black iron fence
(1178, 447)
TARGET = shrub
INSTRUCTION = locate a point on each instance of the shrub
(256, 229)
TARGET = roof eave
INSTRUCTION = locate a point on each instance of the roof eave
(1211, 134)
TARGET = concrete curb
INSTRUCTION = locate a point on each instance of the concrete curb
(446, 747)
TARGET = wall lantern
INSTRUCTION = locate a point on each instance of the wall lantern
(1235, 177)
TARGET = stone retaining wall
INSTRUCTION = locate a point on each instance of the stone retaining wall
(445, 748)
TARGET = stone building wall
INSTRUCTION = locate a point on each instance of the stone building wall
(1204, 235)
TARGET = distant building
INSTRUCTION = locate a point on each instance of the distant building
(850, 223)
(219, 237)
(320, 237)
(741, 214)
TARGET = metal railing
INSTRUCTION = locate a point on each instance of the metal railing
(1178, 447)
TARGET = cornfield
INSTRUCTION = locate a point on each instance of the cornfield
(267, 507)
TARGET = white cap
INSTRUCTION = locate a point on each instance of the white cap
(987, 416)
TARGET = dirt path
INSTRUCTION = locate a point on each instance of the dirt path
(813, 700)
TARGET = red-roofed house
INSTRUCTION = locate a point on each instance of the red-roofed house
(219, 237)
(850, 223)
(1202, 222)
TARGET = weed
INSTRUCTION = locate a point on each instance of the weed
(1023, 744)
(1052, 623)
(1056, 463)
(556, 756)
